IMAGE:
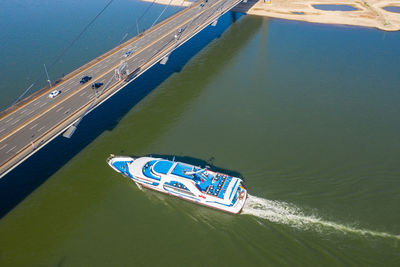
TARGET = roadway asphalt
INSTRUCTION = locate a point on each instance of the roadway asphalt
(29, 127)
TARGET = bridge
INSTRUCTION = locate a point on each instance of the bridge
(33, 122)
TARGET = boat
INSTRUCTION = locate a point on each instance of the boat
(199, 185)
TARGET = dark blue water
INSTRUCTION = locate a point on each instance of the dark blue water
(395, 9)
(335, 7)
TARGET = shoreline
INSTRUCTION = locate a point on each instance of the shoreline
(368, 13)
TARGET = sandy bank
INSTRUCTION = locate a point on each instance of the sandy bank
(369, 13)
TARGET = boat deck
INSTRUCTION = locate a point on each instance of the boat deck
(213, 184)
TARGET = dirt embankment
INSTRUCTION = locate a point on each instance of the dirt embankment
(367, 13)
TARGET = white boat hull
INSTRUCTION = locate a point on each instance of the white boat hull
(202, 186)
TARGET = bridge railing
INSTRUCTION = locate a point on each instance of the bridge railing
(75, 72)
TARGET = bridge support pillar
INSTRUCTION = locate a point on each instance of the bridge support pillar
(69, 132)
(164, 60)
(121, 72)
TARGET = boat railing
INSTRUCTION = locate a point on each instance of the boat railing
(110, 158)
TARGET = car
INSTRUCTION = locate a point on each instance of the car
(54, 93)
(128, 53)
(85, 79)
(180, 30)
(96, 85)
(202, 4)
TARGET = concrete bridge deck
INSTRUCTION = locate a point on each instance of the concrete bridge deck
(35, 121)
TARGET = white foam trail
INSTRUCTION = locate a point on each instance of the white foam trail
(284, 213)
(139, 186)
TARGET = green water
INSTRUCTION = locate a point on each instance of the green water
(309, 115)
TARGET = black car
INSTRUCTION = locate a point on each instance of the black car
(96, 85)
(85, 79)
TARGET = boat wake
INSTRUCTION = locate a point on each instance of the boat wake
(284, 213)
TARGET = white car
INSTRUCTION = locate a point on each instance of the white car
(54, 93)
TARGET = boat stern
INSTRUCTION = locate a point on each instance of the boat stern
(239, 198)
(242, 196)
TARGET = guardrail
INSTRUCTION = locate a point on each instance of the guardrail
(64, 124)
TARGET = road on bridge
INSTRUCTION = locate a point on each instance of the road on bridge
(26, 128)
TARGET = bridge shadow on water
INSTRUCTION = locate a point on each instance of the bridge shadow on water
(28, 176)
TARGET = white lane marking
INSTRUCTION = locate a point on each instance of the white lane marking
(3, 147)
(15, 122)
(42, 105)
(11, 149)
(36, 103)
(59, 109)
(33, 126)
(30, 112)
(83, 93)
(9, 119)
(23, 111)
(41, 128)
(2, 130)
